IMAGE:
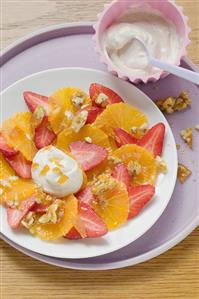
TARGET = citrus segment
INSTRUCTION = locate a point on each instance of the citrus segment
(19, 134)
(113, 206)
(133, 154)
(67, 214)
(13, 188)
(121, 115)
(62, 107)
(94, 135)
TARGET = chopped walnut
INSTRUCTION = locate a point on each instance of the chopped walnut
(197, 127)
(114, 160)
(79, 121)
(38, 115)
(78, 99)
(5, 183)
(172, 104)
(187, 136)
(88, 139)
(183, 172)
(140, 130)
(101, 99)
(51, 216)
(134, 168)
(69, 114)
(161, 164)
(103, 183)
(29, 220)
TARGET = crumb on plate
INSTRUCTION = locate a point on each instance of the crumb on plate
(187, 136)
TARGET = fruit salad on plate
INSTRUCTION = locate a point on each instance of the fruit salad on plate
(78, 165)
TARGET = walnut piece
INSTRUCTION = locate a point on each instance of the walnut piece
(183, 172)
(101, 99)
(51, 215)
(79, 121)
(172, 104)
(114, 160)
(103, 183)
(134, 168)
(88, 139)
(187, 136)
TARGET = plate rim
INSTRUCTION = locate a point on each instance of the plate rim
(171, 139)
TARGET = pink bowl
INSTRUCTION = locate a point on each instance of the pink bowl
(117, 8)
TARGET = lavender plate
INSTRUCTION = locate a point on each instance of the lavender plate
(71, 45)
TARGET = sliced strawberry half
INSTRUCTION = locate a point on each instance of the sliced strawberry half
(86, 196)
(21, 166)
(112, 97)
(121, 173)
(153, 139)
(40, 208)
(122, 137)
(93, 112)
(139, 196)
(88, 155)
(93, 225)
(15, 216)
(5, 149)
(43, 135)
(33, 100)
(73, 234)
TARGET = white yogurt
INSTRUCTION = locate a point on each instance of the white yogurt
(158, 34)
(56, 172)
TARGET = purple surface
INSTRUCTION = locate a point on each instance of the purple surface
(73, 46)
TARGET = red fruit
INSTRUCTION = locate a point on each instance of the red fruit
(153, 139)
(95, 89)
(122, 137)
(40, 208)
(139, 196)
(73, 234)
(88, 155)
(93, 112)
(92, 224)
(121, 173)
(33, 100)
(43, 135)
(21, 166)
(15, 216)
(85, 196)
(5, 149)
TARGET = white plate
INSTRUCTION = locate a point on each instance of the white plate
(45, 83)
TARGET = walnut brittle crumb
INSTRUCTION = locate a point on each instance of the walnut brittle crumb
(103, 183)
(172, 104)
(197, 127)
(183, 172)
(187, 136)
(134, 168)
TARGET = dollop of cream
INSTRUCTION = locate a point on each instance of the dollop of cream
(56, 172)
(156, 32)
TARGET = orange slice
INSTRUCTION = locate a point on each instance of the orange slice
(13, 189)
(62, 108)
(113, 206)
(54, 231)
(94, 135)
(120, 115)
(19, 134)
(148, 166)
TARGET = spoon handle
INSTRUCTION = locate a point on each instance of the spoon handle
(176, 70)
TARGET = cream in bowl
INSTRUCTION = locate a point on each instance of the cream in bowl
(158, 34)
(159, 25)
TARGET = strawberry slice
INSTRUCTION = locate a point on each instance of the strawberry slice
(40, 208)
(93, 112)
(121, 173)
(5, 149)
(96, 89)
(153, 139)
(86, 196)
(93, 226)
(122, 137)
(88, 155)
(139, 196)
(33, 100)
(43, 135)
(15, 216)
(21, 166)
(73, 234)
